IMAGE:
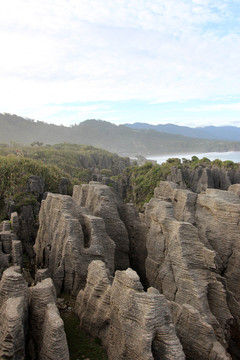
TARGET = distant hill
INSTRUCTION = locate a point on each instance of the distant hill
(102, 134)
(226, 133)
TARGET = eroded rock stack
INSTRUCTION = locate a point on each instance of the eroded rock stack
(201, 178)
(10, 246)
(13, 314)
(46, 325)
(93, 224)
(68, 240)
(131, 323)
(193, 259)
(30, 324)
(102, 201)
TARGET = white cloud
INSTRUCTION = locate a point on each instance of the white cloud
(216, 107)
(55, 51)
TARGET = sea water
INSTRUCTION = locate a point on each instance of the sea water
(230, 155)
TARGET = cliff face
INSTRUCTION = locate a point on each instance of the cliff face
(131, 323)
(68, 240)
(101, 201)
(193, 247)
(202, 177)
(29, 319)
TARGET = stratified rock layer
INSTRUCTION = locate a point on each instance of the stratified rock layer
(100, 200)
(193, 259)
(68, 240)
(131, 323)
(13, 314)
(46, 325)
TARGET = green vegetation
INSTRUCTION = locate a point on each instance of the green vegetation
(142, 180)
(14, 172)
(81, 346)
(52, 162)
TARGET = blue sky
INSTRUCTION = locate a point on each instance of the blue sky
(155, 61)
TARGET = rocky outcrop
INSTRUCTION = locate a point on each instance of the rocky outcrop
(181, 268)
(217, 220)
(137, 240)
(35, 185)
(68, 240)
(101, 200)
(29, 320)
(202, 177)
(10, 246)
(235, 188)
(193, 259)
(46, 325)
(13, 314)
(131, 323)
(17, 254)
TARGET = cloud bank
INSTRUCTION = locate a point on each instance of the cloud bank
(57, 52)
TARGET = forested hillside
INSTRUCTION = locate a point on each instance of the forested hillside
(118, 139)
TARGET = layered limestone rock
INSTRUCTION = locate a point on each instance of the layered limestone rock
(14, 222)
(46, 325)
(12, 331)
(13, 314)
(17, 253)
(217, 220)
(235, 188)
(131, 323)
(183, 201)
(137, 240)
(195, 263)
(201, 178)
(68, 240)
(183, 269)
(4, 260)
(10, 246)
(101, 200)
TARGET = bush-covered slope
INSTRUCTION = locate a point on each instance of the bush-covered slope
(74, 162)
(119, 139)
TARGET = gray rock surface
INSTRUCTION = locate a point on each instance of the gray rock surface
(46, 325)
(54, 344)
(217, 220)
(131, 323)
(193, 259)
(36, 185)
(137, 240)
(13, 314)
(181, 267)
(68, 240)
(17, 253)
(101, 200)
(14, 222)
(235, 188)
(12, 331)
(202, 177)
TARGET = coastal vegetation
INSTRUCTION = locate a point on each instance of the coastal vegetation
(142, 180)
(77, 163)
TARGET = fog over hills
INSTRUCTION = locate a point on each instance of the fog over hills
(120, 139)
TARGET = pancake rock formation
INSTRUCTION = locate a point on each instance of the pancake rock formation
(68, 240)
(193, 259)
(132, 324)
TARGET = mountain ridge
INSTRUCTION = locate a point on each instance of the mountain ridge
(226, 133)
(102, 134)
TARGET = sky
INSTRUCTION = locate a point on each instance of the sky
(124, 61)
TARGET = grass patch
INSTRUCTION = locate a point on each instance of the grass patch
(81, 346)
